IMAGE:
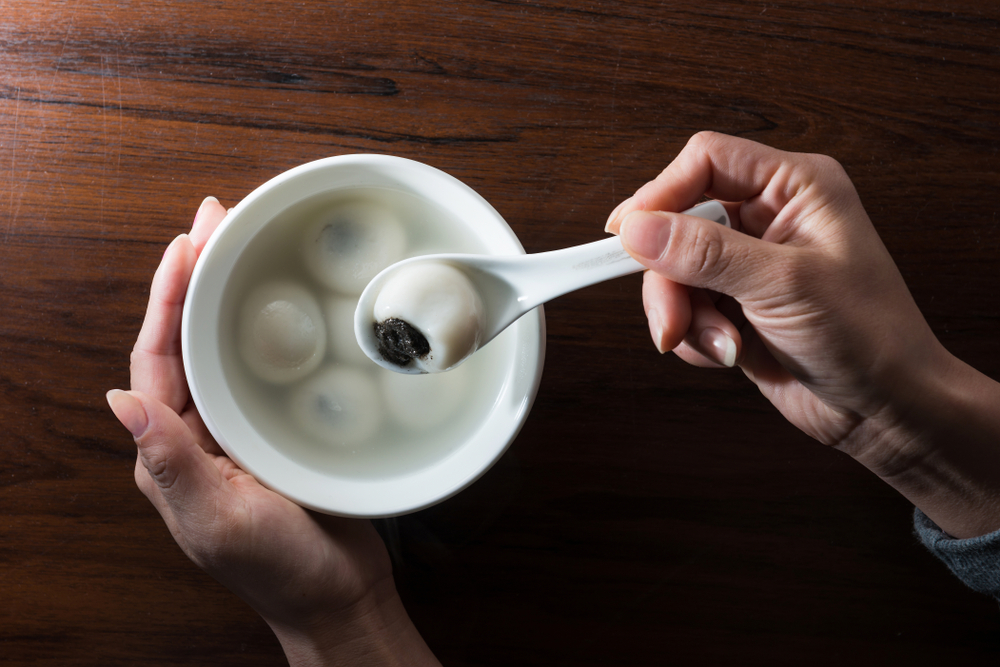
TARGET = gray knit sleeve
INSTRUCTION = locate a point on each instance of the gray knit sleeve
(976, 561)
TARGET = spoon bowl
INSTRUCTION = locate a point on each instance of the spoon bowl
(510, 286)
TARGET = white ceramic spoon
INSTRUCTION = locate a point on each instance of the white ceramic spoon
(512, 285)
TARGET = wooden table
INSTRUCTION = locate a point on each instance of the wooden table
(649, 513)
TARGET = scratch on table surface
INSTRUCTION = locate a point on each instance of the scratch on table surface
(614, 118)
(69, 32)
(104, 134)
(118, 80)
(13, 211)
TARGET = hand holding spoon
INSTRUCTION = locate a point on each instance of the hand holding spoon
(427, 314)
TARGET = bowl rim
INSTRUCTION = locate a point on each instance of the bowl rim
(320, 491)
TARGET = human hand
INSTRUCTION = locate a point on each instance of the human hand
(324, 584)
(803, 295)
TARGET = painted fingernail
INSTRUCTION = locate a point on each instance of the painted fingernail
(129, 411)
(718, 346)
(614, 214)
(656, 329)
(645, 234)
(201, 209)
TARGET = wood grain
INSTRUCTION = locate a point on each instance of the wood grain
(649, 513)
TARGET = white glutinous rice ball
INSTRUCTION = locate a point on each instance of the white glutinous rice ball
(282, 333)
(338, 406)
(441, 303)
(347, 246)
(340, 323)
(422, 402)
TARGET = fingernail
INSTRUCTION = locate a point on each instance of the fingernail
(656, 329)
(718, 346)
(201, 208)
(172, 243)
(129, 411)
(645, 234)
(614, 214)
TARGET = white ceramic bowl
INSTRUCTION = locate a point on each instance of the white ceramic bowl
(325, 490)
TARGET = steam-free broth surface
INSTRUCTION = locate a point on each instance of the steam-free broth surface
(348, 416)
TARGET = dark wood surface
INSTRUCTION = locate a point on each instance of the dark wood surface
(649, 513)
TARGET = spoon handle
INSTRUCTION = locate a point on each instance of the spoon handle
(546, 275)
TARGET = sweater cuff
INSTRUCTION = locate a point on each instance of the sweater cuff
(976, 561)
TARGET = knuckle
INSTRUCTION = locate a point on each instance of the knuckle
(157, 467)
(827, 166)
(699, 144)
(134, 359)
(144, 481)
(703, 252)
(836, 183)
(828, 162)
(701, 139)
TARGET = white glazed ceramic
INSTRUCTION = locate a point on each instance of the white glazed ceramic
(514, 285)
(327, 492)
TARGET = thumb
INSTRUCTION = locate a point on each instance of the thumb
(176, 463)
(701, 253)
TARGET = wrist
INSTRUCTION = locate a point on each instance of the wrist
(376, 630)
(937, 441)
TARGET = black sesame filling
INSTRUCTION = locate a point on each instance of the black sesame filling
(398, 342)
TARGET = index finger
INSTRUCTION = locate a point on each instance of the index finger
(723, 167)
